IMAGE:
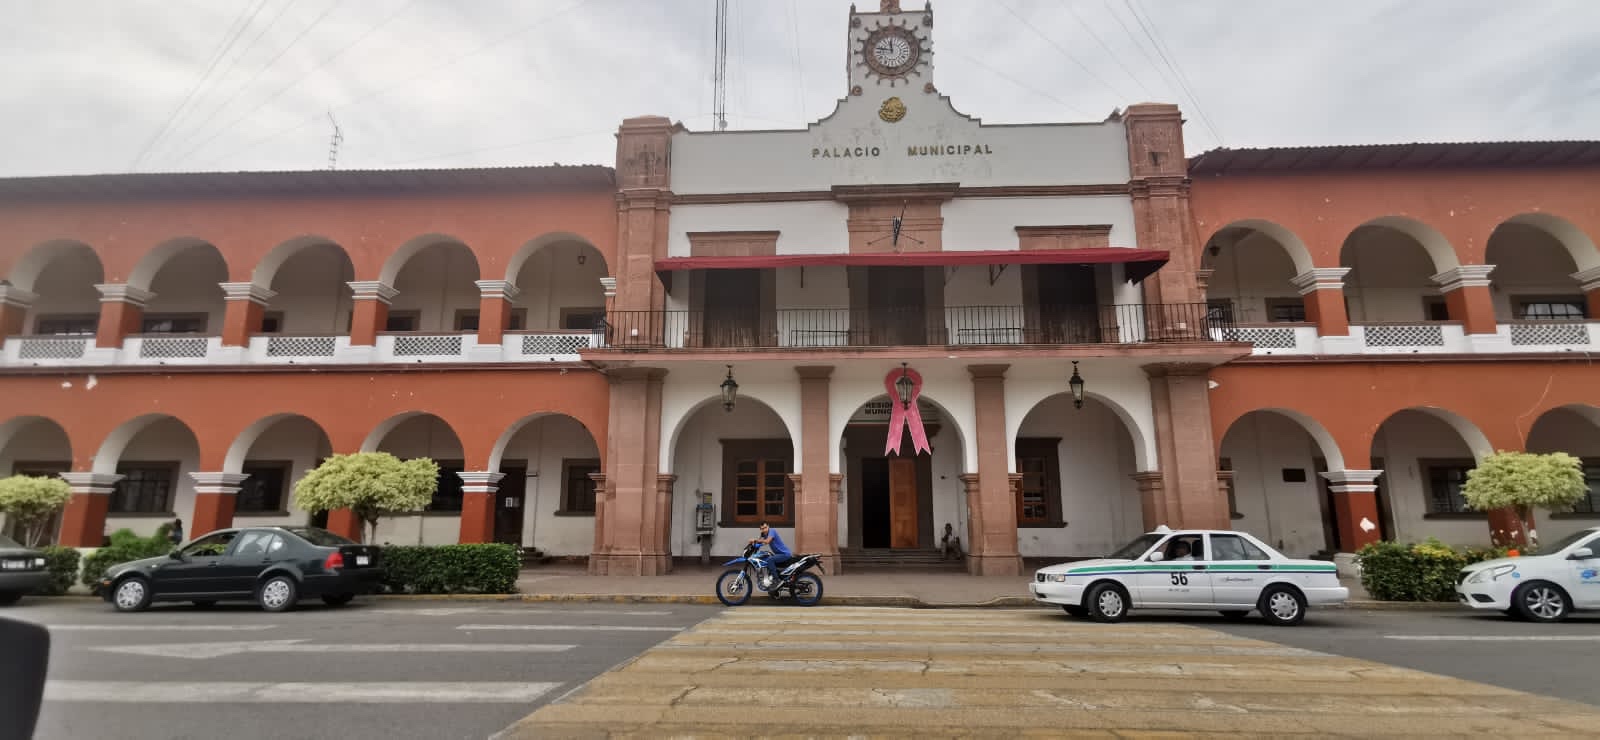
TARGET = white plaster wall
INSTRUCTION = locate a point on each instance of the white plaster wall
(1563, 430)
(312, 293)
(770, 161)
(1401, 441)
(1528, 263)
(543, 444)
(552, 279)
(977, 224)
(303, 444)
(1099, 498)
(946, 384)
(438, 281)
(1390, 273)
(949, 493)
(165, 440)
(807, 227)
(1248, 273)
(1117, 383)
(190, 283)
(697, 461)
(826, 286)
(1260, 445)
(421, 436)
(776, 387)
(66, 286)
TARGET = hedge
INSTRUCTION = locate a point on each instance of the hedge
(1423, 571)
(125, 546)
(451, 569)
(62, 562)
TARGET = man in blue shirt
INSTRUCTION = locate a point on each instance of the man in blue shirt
(780, 551)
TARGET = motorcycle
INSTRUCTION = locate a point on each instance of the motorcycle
(735, 585)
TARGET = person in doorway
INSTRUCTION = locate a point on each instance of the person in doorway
(780, 551)
(175, 533)
(949, 544)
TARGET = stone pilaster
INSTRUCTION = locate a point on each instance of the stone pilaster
(370, 312)
(627, 542)
(1322, 289)
(494, 310)
(816, 505)
(215, 495)
(121, 313)
(995, 542)
(1590, 281)
(662, 528)
(246, 304)
(1466, 296)
(83, 521)
(14, 304)
(1159, 186)
(644, 198)
(1187, 457)
(1152, 501)
(478, 489)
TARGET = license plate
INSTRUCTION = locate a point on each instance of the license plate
(363, 560)
(14, 564)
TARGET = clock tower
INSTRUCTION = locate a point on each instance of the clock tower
(891, 50)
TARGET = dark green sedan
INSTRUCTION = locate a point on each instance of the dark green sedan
(22, 571)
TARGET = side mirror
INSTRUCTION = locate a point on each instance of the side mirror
(175, 554)
(1582, 553)
(1157, 556)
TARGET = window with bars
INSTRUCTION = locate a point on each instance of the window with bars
(173, 324)
(578, 489)
(1552, 308)
(1445, 479)
(262, 492)
(447, 496)
(66, 324)
(1286, 310)
(756, 485)
(145, 488)
(581, 319)
(1039, 495)
(272, 322)
(1590, 504)
(468, 320)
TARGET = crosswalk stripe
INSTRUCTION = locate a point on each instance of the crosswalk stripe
(205, 650)
(219, 692)
(569, 627)
(160, 627)
(451, 611)
(1497, 638)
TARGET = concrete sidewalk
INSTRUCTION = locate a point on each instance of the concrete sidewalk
(909, 588)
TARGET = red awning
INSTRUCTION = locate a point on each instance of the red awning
(1140, 262)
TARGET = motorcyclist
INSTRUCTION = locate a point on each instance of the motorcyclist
(780, 551)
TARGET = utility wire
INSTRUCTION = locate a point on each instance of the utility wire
(1019, 83)
(1103, 45)
(1135, 41)
(247, 47)
(1176, 71)
(1060, 48)
(497, 147)
(800, 77)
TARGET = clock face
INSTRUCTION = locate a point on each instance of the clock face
(891, 52)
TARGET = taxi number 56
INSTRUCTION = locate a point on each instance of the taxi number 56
(1180, 579)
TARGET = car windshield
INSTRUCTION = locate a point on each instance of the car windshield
(1136, 548)
(319, 537)
(1565, 542)
(8, 542)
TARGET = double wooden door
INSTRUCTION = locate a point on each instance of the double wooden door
(902, 502)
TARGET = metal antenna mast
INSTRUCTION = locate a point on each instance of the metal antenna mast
(333, 146)
(719, 73)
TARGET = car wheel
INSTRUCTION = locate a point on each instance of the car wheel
(1282, 605)
(1235, 614)
(1540, 601)
(1075, 611)
(7, 598)
(337, 599)
(277, 594)
(1108, 603)
(206, 603)
(132, 595)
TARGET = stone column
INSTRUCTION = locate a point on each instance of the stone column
(629, 536)
(644, 199)
(14, 303)
(1466, 295)
(663, 527)
(969, 482)
(121, 313)
(494, 310)
(478, 489)
(215, 495)
(345, 523)
(83, 522)
(816, 518)
(1187, 457)
(246, 302)
(370, 312)
(1152, 501)
(1322, 289)
(1159, 183)
(601, 498)
(1590, 280)
(996, 504)
(1355, 511)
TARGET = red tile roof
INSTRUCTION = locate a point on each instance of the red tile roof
(1491, 154)
(552, 177)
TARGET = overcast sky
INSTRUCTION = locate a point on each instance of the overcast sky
(123, 85)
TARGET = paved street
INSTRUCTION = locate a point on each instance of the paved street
(435, 669)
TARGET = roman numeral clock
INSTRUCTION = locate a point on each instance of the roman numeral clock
(895, 49)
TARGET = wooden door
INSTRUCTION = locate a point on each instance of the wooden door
(902, 502)
(732, 308)
(898, 310)
(508, 506)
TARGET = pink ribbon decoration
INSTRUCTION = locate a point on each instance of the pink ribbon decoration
(903, 415)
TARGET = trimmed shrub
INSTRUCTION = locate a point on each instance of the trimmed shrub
(1424, 571)
(125, 547)
(62, 562)
(489, 568)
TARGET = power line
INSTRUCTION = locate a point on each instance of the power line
(1019, 83)
(1176, 70)
(1103, 45)
(325, 62)
(1135, 41)
(800, 77)
(719, 69)
(1061, 49)
(247, 47)
(497, 147)
(229, 37)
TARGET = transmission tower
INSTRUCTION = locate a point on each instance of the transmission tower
(719, 73)
(333, 146)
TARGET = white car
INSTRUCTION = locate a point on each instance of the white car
(1191, 569)
(1543, 588)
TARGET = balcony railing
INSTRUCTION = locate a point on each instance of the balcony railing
(957, 325)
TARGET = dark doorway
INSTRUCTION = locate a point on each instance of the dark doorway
(319, 519)
(508, 505)
(732, 310)
(875, 524)
(1069, 310)
(895, 298)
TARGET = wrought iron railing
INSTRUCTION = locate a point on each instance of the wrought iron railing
(956, 325)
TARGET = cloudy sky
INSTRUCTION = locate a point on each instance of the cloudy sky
(202, 85)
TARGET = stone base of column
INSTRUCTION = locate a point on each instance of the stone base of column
(345, 523)
(477, 518)
(994, 565)
(83, 521)
(621, 564)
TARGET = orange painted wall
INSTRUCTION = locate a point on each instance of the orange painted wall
(1503, 397)
(1464, 206)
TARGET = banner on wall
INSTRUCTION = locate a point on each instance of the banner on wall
(904, 416)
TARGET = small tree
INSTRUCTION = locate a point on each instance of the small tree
(31, 502)
(370, 484)
(1520, 481)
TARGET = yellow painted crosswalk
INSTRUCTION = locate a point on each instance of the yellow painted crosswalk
(866, 672)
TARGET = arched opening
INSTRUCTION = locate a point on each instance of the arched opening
(437, 285)
(1425, 454)
(276, 452)
(898, 501)
(154, 454)
(185, 275)
(743, 458)
(61, 275)
(1392, 262)
(1574, 430)
(1278, 492)
(309, 276)
(558, 280)
(1078, 497)
(36, 446)
(1253, 265)
(410, 436)
(1533, 268)
(546, 499)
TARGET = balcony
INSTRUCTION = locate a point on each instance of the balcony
(825, 328)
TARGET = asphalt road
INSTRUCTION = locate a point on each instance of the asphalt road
(436, 669)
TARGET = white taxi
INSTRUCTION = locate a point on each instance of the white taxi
(1543, 588)
(1191, 569)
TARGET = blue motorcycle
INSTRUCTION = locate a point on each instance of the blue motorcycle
(735, 585)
